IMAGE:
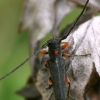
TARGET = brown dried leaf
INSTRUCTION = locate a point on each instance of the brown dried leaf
(84, 47)
(39, 16)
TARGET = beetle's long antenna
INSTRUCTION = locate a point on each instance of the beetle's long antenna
(22, 63)
(75, 21)
(16, 68)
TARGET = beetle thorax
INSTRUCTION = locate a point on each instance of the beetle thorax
(54, 46)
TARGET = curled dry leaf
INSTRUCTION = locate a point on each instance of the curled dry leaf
(83, 66)
(39, 16)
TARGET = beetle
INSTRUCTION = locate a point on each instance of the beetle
(55, 63)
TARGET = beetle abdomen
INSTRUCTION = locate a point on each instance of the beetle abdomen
(57, 69)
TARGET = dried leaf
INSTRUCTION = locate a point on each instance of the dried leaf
(84, 47)
(94, 3)
(39, 16)
(92, 89)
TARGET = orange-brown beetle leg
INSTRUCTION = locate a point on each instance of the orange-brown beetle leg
(50, 83)
(68, 93)
(65, 55)
(43, 52)
(67, 80)
(64, 45)
(47, 64)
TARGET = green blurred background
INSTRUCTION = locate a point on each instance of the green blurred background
(14, 48)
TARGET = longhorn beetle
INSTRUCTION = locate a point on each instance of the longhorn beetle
(56, 63)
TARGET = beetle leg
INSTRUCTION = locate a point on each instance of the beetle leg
(68, 90)
(65, 55)
(64, 45)
(47, 64)
(68, 81)
(50, 83)
(43, 52)
(68, 93)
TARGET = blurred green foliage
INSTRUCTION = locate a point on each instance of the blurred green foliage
(14, 48)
